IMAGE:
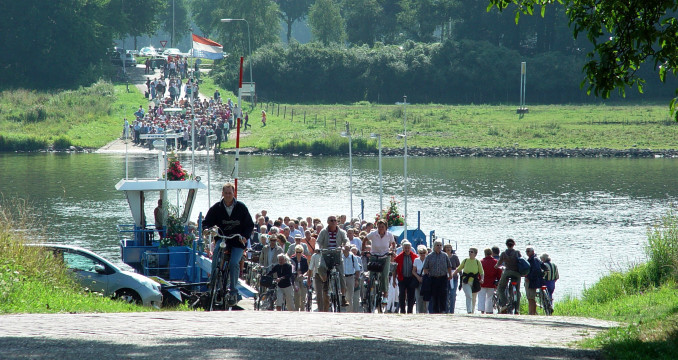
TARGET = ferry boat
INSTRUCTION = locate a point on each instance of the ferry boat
(182, 269)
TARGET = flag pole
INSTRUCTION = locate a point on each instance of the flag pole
(237, 131)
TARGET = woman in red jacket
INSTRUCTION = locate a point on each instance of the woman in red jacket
(407, 283)
(492, 276)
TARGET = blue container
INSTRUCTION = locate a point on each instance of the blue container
(178, 261)
(414, 236)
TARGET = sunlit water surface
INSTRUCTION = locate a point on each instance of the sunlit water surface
(590, 215)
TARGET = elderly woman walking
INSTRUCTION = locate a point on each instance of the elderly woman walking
(418, 272)
(471, 278)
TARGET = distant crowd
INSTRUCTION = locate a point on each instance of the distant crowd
(176, 105)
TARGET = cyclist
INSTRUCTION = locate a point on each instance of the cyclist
(508, 258)
(383, 242)
(333, 237)
(231, 217)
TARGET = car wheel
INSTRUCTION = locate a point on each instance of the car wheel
(128, 296)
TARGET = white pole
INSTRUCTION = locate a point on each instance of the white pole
(193, 143)
(405, 161)
(381, 186)
(350, 167)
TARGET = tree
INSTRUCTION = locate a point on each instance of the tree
(263, 20)
(175, 20)
(291, 11)
(624, 34)
(52, 44)
(327, 25)
(203, 15)
(362, 18)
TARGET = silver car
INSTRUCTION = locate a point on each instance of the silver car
(97, 274)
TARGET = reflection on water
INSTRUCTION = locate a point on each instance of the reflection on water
(586, 213)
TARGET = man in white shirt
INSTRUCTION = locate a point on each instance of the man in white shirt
(294, 230)
(352, 275)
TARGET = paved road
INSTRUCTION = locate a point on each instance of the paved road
(285, 335)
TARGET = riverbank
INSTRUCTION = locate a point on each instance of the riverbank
(90, 118)
(118, 147)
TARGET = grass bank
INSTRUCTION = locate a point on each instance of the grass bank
(91, 117)
(644, 298)
(32, 280)
(88, 117)
(472, 126)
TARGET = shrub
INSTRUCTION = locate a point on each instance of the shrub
(662, 248)
(62, 143)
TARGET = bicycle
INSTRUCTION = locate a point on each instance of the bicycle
(267, 294)
(373, 296)
(220, 297)
(309, 294)
(330, 256)
(513, 306)
(545, 301)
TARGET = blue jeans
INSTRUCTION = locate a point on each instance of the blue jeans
(233, 264)
(452, 295)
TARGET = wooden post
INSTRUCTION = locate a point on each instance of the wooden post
(278, 109)
(285, 112)
(292, 117)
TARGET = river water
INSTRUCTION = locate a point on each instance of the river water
(590, 215)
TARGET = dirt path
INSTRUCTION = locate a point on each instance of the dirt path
(269, 335)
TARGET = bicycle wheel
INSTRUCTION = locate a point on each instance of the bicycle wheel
(545, 300)
(216, 291)
(495, 302)
(515, 305)
(309, 300)
(334, 295)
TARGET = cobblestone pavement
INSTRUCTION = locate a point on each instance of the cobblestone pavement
(284, 335)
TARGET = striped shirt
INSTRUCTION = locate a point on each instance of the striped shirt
(332, 243)
(552, 271)
(407, 266)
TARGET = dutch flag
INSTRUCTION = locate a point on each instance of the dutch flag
(206, 48)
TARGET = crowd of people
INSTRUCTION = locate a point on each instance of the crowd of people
(176, 105)
(290, 249)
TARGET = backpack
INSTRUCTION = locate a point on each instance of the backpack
(523, 266)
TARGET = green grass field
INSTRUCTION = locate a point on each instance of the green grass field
(91, 117)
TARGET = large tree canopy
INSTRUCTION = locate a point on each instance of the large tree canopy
(624, 34)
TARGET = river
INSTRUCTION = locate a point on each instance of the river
(590, 215)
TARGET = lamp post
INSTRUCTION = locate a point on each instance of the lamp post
(404, 136)
(249, 44)
(347, 134)
(381, 186)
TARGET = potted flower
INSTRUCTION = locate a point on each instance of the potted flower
(391, 214)
(175, 172)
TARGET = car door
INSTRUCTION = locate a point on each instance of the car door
(85, 269)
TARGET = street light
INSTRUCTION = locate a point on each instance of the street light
(249, 44)
(404, 136)
(347, 134)
(381, 187)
